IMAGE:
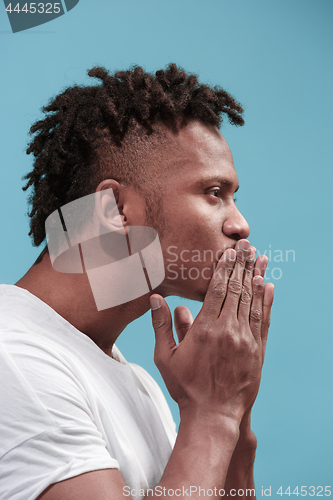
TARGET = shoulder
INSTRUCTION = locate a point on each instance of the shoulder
(47, 429)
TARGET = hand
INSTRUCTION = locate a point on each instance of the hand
(217, 363)
(183, 320)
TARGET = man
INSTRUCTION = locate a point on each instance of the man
(79, 422)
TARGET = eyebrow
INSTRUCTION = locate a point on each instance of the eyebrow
(219, 180)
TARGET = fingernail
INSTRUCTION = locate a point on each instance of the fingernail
(244, 245)
(155, 303)
(231, 255)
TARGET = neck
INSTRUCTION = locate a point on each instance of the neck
(70, 296)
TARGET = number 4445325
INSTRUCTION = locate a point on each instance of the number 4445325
(318, 491)
(34, 7)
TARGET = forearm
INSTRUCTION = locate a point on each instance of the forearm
(240, 472)
(200, 458)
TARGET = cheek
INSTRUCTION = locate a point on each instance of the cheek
(200, 246)
(194, 226)
(203, 233)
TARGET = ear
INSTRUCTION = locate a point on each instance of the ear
(109, 200)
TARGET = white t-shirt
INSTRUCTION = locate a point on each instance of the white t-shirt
(67, 408)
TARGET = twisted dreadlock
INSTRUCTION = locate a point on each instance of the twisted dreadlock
(96, 132)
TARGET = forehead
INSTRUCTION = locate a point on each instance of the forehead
(204, 154)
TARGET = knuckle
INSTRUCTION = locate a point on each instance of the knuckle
(228, 342)
(247, 274)
(244, 345)
(258, 289)
(159, 323)
(246, 295)
(253, 347)
(256, 315)
(228, 333)
(218, 290)
(184, 327)
(235, 287)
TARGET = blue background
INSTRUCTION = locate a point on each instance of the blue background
(276, 58)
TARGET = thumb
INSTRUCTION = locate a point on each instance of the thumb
(162, 324)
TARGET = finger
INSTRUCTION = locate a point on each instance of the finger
(246, 295)
(256, 306)
(183, 320)
(236, 279)
(260, 266)
(266, 314)
(162, 324)
(217, 288)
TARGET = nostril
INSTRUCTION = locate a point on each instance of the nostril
(235, 236)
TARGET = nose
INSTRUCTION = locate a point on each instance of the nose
(236, 226)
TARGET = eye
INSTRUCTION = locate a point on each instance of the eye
(216, 192)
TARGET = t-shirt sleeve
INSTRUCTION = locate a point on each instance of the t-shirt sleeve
(47, 428)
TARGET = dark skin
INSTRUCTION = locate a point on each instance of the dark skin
(215, 446)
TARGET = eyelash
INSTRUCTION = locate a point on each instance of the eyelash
(220, 192)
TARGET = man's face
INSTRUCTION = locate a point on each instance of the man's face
(201, 218)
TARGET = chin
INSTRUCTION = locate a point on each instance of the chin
(191, 290)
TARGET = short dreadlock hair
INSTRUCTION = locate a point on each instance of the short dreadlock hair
(105, 131)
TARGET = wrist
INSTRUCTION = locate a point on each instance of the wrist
(213, 421)
(211, 413)
(221, 428)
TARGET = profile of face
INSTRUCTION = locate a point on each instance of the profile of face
(201, 217)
